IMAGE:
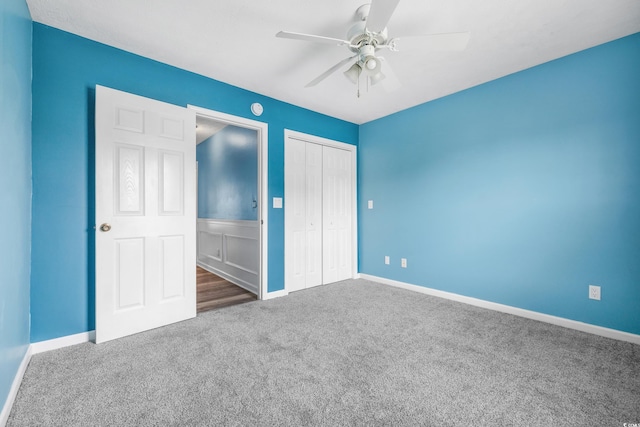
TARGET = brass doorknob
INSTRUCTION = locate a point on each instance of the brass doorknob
(105, 227)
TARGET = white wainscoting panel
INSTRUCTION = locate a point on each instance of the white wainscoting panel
(231, 249)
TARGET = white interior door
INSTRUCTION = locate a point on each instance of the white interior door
(145, 214)
(337, 218)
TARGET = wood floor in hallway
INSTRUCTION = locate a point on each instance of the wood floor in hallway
(216, 292)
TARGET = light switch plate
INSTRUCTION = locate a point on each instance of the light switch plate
(277, 202)
(370, 204)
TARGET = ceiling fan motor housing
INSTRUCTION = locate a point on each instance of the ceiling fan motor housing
(359, 35)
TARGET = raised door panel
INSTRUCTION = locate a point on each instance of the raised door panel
(171, 127)
(129, 174)
(297, 261)
(172, 267)
(129, 119)
(171, 186)
(129, 274)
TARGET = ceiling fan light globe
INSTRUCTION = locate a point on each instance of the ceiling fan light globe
(353, 73)
(371, 65)
(376, 78)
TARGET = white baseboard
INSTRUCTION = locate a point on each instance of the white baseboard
(534, 315)
(54, 344)
(276, 294)
(15, 386)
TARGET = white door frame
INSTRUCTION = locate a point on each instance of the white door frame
(262, 130)
(291, 134)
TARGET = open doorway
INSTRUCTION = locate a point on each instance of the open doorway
(231, 255)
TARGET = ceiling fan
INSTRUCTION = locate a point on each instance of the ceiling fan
(368, 36)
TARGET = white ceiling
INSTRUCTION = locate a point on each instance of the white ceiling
(234, 42)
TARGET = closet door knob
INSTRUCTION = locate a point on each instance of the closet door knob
(105, 227)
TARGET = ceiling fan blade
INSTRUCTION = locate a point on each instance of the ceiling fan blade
(380, 13)
(311, 38)
(391, 81)
(330, 71)
(432, 42)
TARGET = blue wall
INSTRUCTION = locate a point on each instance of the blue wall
(15, 187)
(228, 175)
(522, 191)
(66, 69)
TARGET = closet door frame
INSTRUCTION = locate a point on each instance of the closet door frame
(352, 149)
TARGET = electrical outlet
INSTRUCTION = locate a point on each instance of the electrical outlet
(403, 263)
(594, 292)
(387, 260)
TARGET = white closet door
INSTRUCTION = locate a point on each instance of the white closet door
(303, 214)
(314, 215)
(336, 202)
(319, 198)
(295, 214)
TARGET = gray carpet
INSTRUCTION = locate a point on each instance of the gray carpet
(351, 353)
